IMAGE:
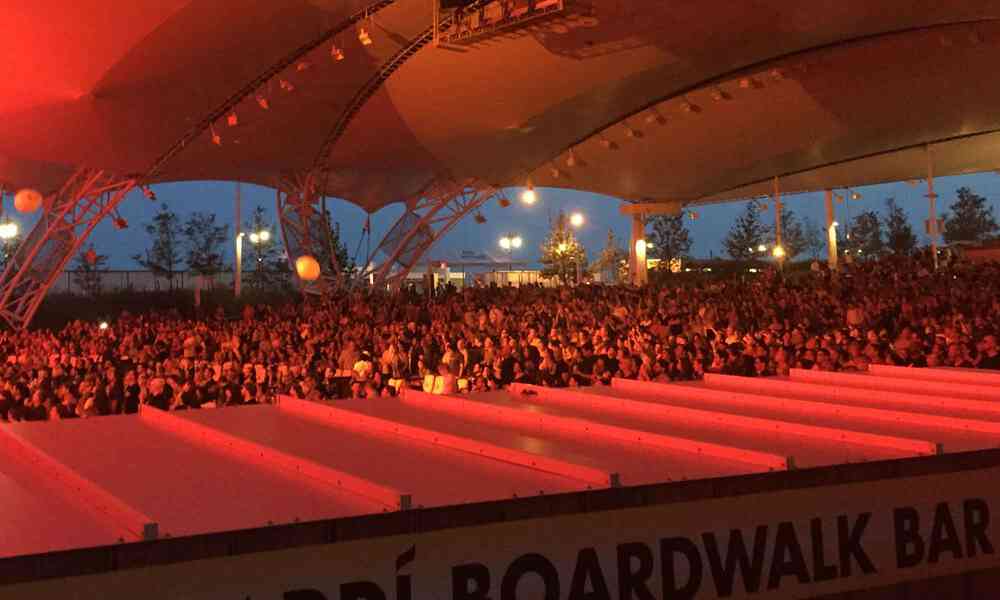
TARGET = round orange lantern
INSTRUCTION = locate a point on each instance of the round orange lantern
(27, 200)
(307, 267)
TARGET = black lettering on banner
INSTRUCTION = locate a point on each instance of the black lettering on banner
(474, 573)
(530, 563)
(849, 544)
(303, 595)
(977, 520)
(944, 536)
(588, 570)
(360, 590)
(909, 544)
(787, 558)
(820, 571)
(669, 548)
(634, 583)
(737, 560)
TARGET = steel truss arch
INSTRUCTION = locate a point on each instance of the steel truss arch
(432, 214)
(68, 217)
(305, 230)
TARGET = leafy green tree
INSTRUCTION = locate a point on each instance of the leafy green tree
(866, 235)
(264, 263)
(339, 249)
(898, 232)
(609, 263)
(746, 234)
(163, 257)
(562, 254)
(815, 238)
(88, 267)
(205, 243)
(969, 219)
(794, 238)
(671, 239)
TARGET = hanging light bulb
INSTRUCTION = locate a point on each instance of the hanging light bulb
(480, 218)
(286, 85)
(529, 196)
(262, 101)
(556, 173)
(336, 53)
(855, 196)
(503, 201)
(571, 159)
(216, 138)
(232, 119)
(303, 66)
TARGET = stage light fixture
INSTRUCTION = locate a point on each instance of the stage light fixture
(364, 37)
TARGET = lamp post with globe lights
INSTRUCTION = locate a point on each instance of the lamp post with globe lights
(510, 242)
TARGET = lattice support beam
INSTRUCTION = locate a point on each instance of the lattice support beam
(429, 217)
(305, 230)
(68, 217)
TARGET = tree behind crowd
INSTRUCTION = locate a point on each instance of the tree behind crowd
(264, 264)
(746, 234)
(88, 270)
(670, 238)
(562, 253)
(794, 237)
(163, 257)
(205, 242)
(969, 219)
(900, 238)
(611, 260)
(866, 235)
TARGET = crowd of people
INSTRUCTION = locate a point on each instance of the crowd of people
(894, 311)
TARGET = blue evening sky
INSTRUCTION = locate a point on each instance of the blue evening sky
(531, 223)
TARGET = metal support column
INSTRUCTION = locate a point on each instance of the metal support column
(831, 232)
(305, 229)
(68, 217)
(932, 224)
(637, 251)
(238, 267)
(429, 217)
(779, 248)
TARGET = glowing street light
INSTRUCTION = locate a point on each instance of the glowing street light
(762, 248)
(778, 252)
(576, 220)
(510, 242)
(8, 231)
(259, 237)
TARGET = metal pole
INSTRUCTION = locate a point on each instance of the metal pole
(637, 251)
(238, 282)
(831, 233)
(777, 221)
(932, 225)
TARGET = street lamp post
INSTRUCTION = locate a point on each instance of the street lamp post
(257, 238)
(510, 242)
(577, 220)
